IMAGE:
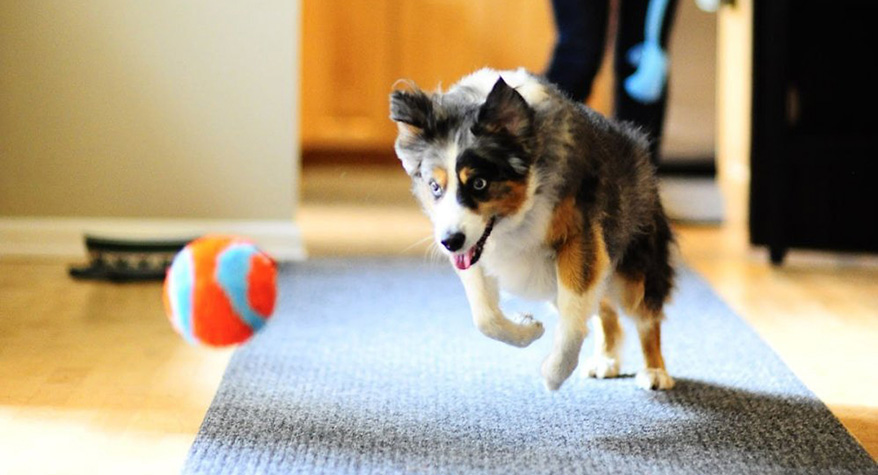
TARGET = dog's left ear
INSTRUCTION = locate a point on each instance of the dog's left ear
(504, 111)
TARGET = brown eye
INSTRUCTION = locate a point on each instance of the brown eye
(435, 188)
(480, 184)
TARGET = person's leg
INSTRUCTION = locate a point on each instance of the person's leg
(579, 45)
(630, 32)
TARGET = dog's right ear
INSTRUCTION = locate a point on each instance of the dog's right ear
(411, 110)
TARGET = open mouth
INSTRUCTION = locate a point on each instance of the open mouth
(467, 259)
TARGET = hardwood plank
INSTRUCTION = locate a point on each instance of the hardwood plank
(92, 377)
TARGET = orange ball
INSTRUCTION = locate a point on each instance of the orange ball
(220, 290)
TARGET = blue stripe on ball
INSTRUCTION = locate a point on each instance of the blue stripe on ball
(181, 285)
(233, 267)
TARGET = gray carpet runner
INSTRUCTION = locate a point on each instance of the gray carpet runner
(373, 366)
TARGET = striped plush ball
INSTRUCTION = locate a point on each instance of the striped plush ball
(220, 290)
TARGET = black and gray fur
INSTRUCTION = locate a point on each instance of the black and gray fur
(589, 185)
(574, 150)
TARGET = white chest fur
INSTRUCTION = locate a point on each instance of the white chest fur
(516, 254)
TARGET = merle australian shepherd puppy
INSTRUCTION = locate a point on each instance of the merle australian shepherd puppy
(534, 194)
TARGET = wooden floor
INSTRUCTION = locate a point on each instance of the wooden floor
(93, 380)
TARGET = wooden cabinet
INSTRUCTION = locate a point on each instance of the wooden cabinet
(354, 51)
(348, 50)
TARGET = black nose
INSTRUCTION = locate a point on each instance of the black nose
(453, 242)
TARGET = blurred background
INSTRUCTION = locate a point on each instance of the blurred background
(353, 51)
(270, 119)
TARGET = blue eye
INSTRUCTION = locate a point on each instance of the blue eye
(435, 188)
(480, 184)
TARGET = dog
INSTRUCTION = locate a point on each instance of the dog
(544, 198)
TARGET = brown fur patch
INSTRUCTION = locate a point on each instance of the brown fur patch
(651, 343)
(440, 176)
(581, 253)
(566, 223)
(408, 129)
(511, 196)
(464, 174)
(630, 291)
(610, 327)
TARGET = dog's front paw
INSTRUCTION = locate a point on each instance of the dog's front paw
(556, 370)
(601, 367)
(530, 330)
(654, 378)
(500, 328)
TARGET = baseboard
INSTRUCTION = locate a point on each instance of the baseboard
(63, 237)
(356, 157)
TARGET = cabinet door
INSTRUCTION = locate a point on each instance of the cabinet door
(443, 40)
(354, 51)
(347, 70)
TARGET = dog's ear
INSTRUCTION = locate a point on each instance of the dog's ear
(504, 111)
(411, 110)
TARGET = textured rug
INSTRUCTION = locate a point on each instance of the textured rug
(374, 367)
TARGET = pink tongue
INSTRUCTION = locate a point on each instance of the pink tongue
(464, 261)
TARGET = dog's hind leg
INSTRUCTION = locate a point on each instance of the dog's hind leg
(608, 336)
(654, 375)
(648, 318)
(484, 300)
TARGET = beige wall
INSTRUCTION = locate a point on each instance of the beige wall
(158, 109)
(735, 76)
(690, 123)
